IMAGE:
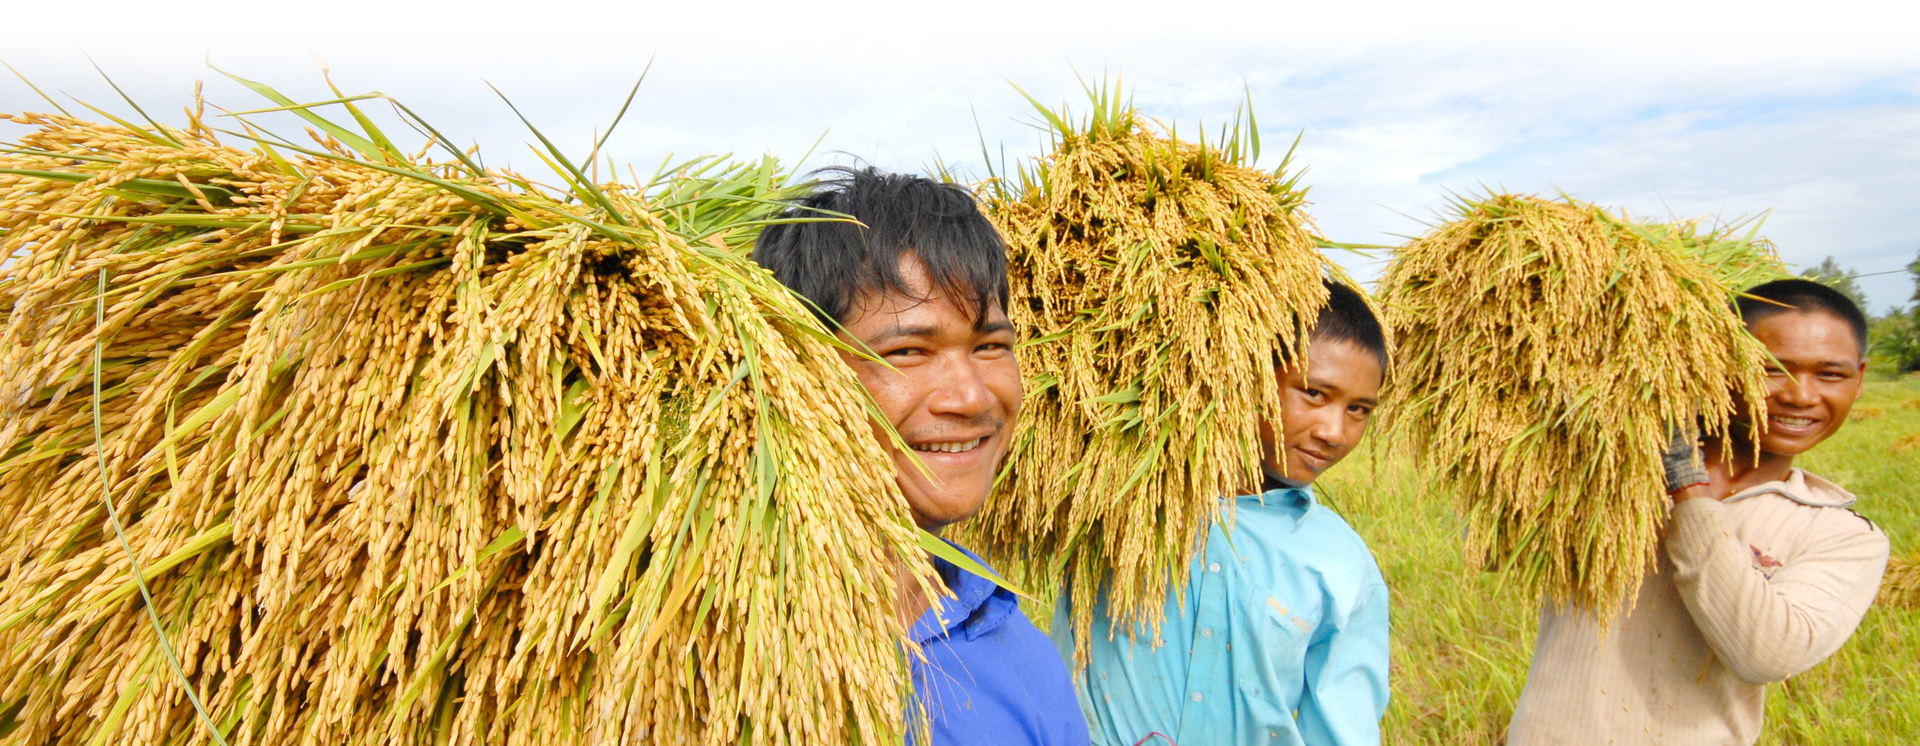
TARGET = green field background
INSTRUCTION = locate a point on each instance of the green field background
(1461, 640)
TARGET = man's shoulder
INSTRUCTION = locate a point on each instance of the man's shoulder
(1316, 537)
(1811, 489)
(1328, 523)
(1800, 487)
(1351, 549)
(1008, 685)
(1804, 514)
(1019, 631)
(1804, 498)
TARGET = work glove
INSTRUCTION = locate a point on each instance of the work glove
(1682, 459)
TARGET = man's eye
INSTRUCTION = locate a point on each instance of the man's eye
(904, 352)
(1360, 411)
(1313, 393)
(993, 347)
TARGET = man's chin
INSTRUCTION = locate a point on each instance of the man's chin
(934, 510)
(939, 517)
(1299, 474)
(1788, 447)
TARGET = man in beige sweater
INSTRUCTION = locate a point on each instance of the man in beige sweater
(1763, 572)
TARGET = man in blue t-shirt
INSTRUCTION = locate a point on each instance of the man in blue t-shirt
(921, 280)
(1282, 636)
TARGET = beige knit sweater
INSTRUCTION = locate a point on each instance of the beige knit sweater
(1749, 590)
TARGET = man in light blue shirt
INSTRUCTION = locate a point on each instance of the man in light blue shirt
(1282, 636)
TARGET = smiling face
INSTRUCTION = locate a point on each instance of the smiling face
(1325, 410)
(1815, 383)
(952, 392)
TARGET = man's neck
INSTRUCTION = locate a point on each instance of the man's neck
(1734, 466)
(910, 599)
(1271, 480)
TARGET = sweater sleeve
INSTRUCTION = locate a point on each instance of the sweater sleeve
(1768, 628)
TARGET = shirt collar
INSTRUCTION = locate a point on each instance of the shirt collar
(976, 607)
(1800, 487)
(1296, 501)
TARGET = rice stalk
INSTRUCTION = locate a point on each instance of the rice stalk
(412, 452)
(1900, 587)
(1543, 349)
(1154, 281)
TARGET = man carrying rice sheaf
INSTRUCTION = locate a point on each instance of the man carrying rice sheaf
(1763, 571)
(922, 283)
(1281, 634)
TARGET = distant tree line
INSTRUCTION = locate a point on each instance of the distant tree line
(1894, 335)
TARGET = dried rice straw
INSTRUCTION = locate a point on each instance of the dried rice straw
(413, 452)
(1154, 281)
(1900, 587)
(1544, 347)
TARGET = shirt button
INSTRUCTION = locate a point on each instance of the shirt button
(1215, 567)
(1207, 633)
(1196, 696)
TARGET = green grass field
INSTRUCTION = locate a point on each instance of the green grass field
(1462, 639)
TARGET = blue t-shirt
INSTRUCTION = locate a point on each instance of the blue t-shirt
(1282, 639)
(990, 677)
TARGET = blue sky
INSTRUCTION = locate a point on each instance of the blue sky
(1682, 108)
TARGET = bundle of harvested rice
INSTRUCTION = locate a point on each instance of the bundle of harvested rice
(1543, 349)
(415, 452)
(1154, 281)
(1900, 587)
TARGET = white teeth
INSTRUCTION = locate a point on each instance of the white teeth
(1793, 421)
(960, 447)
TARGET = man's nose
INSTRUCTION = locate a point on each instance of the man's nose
(1799, 392)
(960, 389)
(1329, 428)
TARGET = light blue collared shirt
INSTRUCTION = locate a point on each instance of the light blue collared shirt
(1282, 640)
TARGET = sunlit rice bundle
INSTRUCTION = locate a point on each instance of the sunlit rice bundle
(418, 453)
(1900, 587)
(1543, 349)
(1154, 281)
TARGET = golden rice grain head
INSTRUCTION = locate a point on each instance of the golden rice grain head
(411, 453)
(1543, 347)
(1153, 280)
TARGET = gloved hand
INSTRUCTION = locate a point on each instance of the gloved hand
(1682, 459)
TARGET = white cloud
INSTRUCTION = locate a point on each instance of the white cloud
(1734, 108)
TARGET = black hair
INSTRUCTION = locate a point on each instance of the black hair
(1347, 318)
(1805, 296)
(832, 263)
